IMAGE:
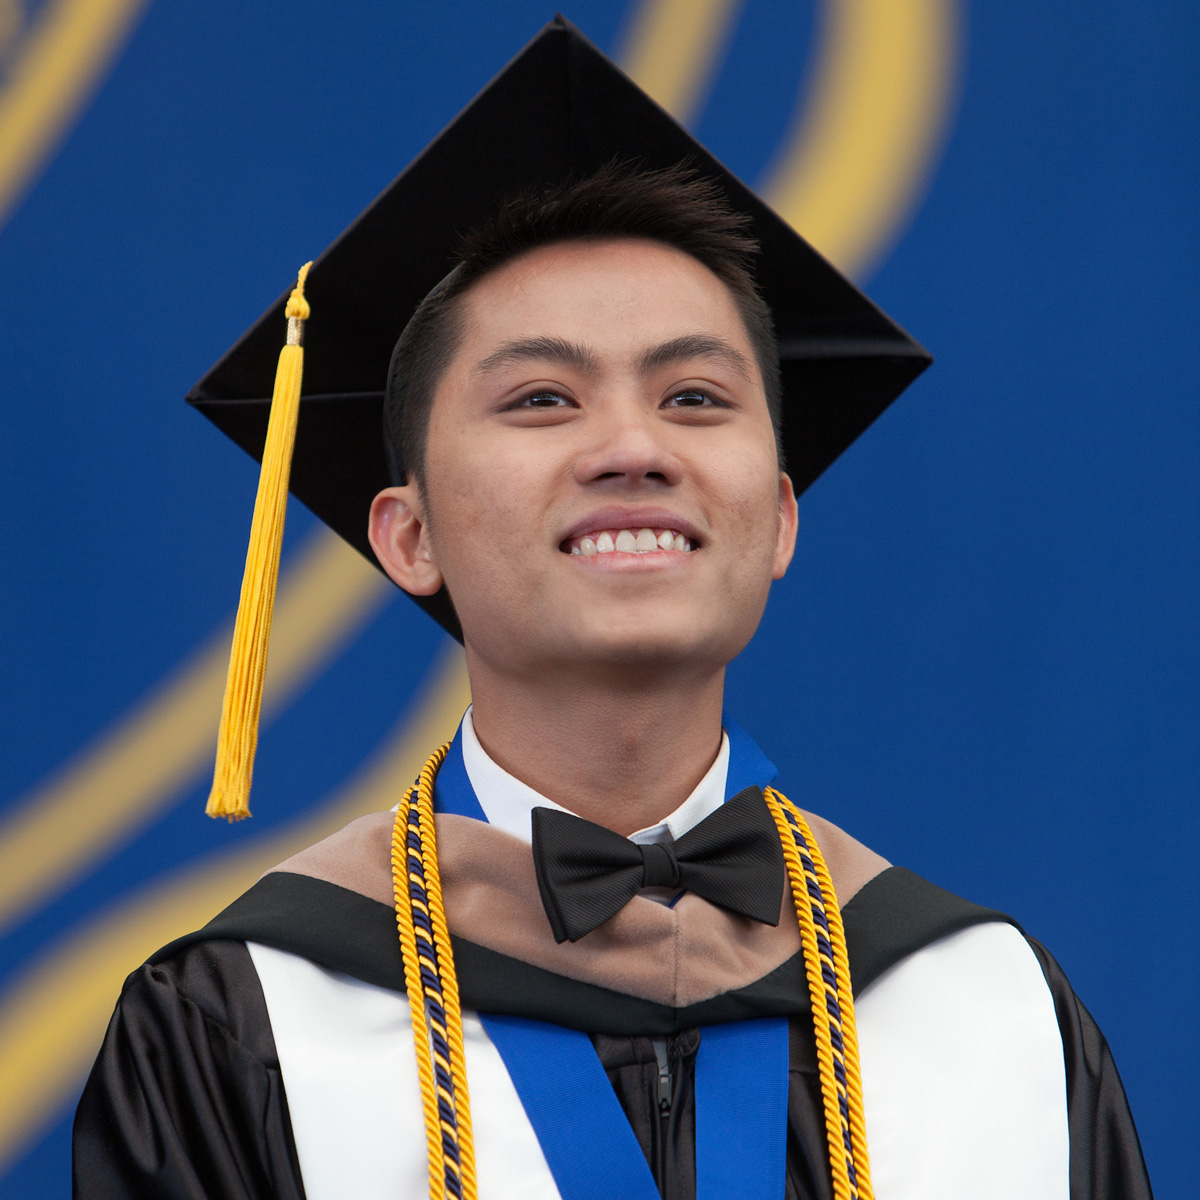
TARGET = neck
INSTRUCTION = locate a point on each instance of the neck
(621, 751)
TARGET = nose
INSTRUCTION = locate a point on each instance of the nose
(630, 453)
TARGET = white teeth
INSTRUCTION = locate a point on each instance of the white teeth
(626, 541)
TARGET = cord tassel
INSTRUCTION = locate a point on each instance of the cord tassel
(238, 736)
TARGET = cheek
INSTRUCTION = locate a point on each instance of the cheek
(481, 519)
(751, 484)
(757, 540)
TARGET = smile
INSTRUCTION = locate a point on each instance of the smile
(629, 541)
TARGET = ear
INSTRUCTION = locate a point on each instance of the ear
(789, 522)
(399, 537)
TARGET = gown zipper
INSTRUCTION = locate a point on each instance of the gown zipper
(665, 1089)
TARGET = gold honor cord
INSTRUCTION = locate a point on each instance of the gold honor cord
(432, 986)
(824, 944)
(54, 1012)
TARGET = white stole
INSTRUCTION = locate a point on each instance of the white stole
(963, 1081)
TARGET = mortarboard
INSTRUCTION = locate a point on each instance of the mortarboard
(560, 109)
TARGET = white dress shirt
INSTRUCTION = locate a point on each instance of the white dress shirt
(507, 802)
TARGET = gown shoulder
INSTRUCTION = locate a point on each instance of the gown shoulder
(186, 1097)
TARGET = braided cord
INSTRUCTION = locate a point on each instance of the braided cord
(432, 991)
(826, 966)
(437, 1017)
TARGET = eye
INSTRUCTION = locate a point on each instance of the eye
(542, 399)
(692, 398)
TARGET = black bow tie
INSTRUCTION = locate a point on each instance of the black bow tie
(587, 873)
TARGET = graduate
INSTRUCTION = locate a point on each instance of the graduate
(595, 951)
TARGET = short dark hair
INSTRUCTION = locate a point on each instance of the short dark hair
(675, 206)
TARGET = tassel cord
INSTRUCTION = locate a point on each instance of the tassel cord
(237, 738)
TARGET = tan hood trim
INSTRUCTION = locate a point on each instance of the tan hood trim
(673, 956)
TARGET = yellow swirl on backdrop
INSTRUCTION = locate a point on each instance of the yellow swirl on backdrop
(134, 771)
(60, 60)
(11, 19)
(50, 1025)
(870, 126)
(674, 47)
(845, 180)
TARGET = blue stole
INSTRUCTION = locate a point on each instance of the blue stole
(741, 1069)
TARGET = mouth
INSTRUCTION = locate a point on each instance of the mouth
(645, 540)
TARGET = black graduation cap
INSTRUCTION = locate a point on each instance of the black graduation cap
(559, 109)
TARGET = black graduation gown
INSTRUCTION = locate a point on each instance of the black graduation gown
(186, 1099)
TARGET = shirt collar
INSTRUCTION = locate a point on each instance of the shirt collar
(507, 802)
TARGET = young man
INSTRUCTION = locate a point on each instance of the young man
(585, 419)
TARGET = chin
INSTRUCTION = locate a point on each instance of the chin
(673, 640)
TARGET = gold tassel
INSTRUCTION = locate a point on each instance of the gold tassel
(238, 736)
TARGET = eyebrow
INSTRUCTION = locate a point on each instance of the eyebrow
(693, 345)
(571, 354)
(542, 349)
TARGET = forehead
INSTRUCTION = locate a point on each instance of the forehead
(614, 294)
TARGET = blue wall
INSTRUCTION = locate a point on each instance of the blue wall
(984, 660)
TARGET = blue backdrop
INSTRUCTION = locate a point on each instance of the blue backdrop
(984, 660)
